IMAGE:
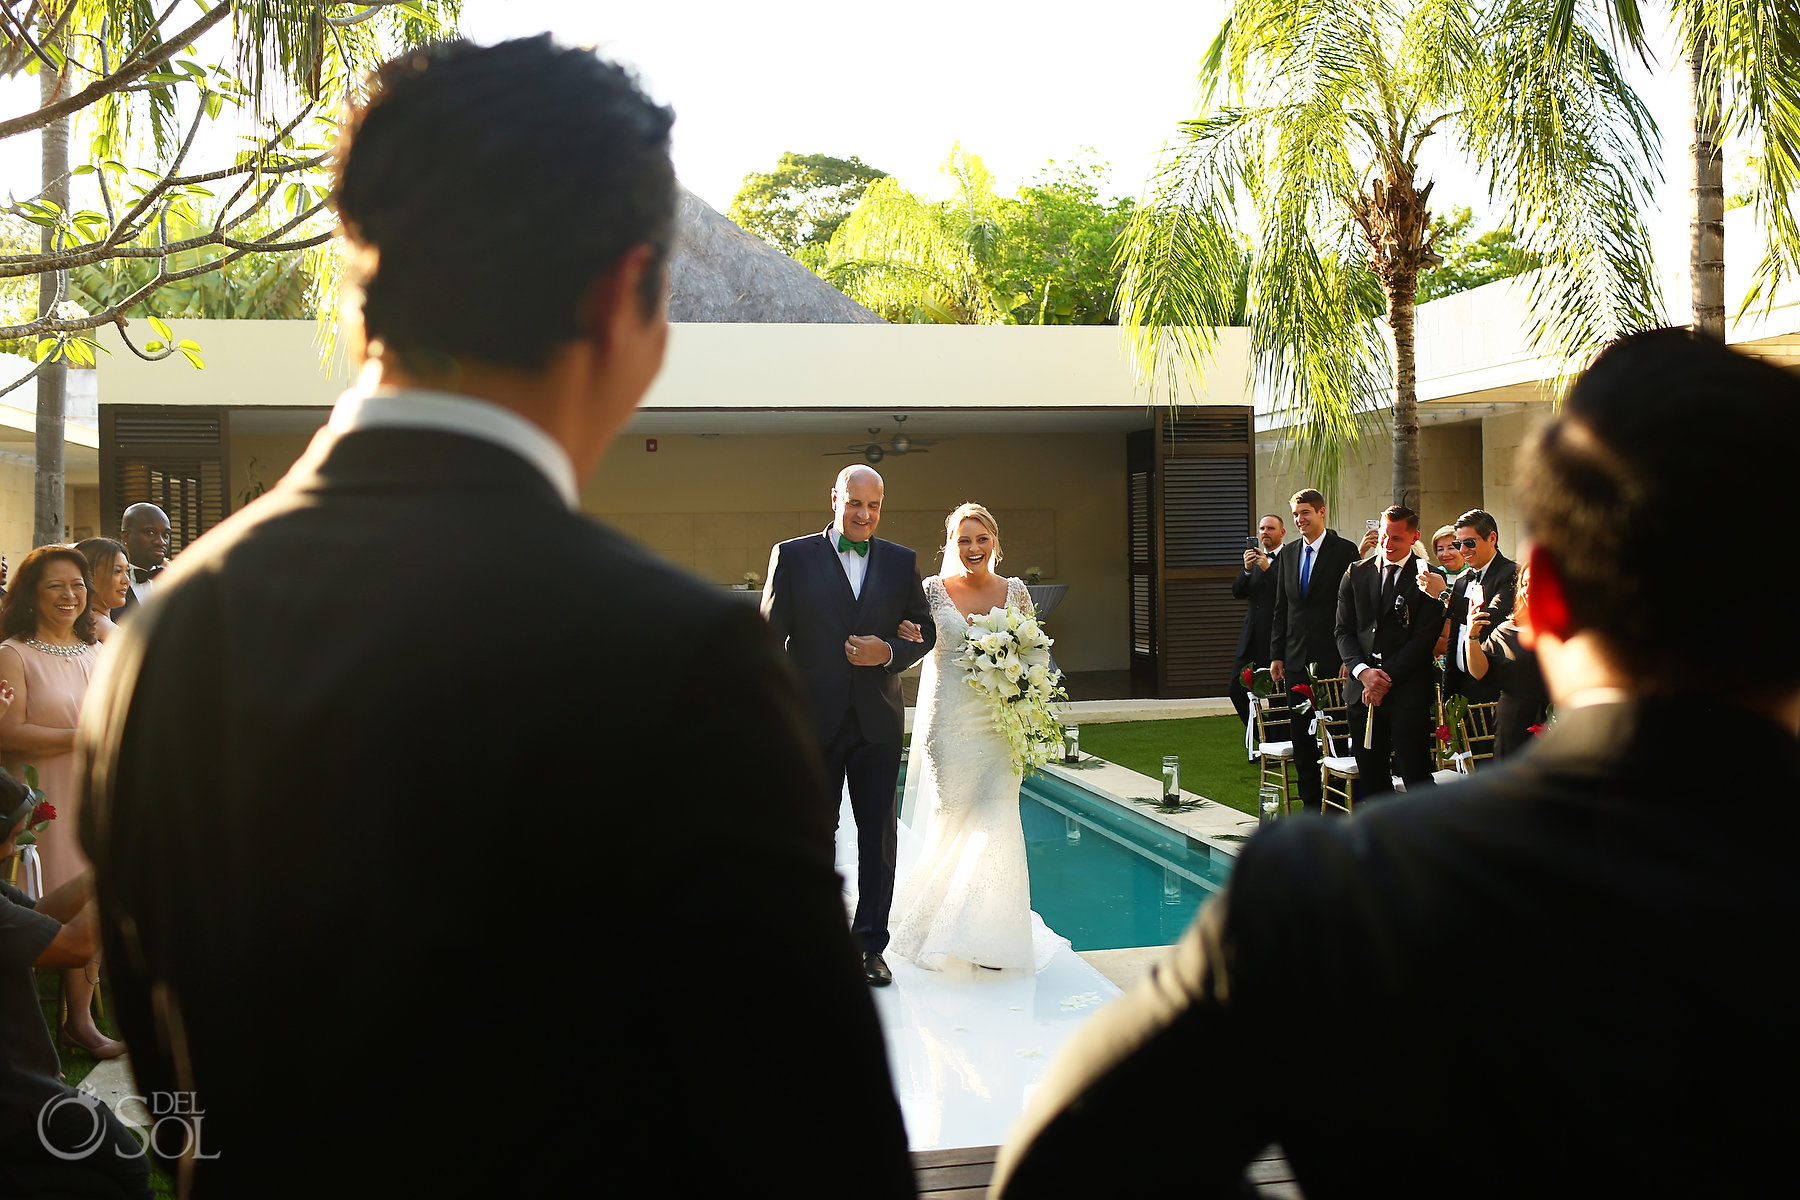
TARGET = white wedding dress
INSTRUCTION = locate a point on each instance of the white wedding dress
(967, 900)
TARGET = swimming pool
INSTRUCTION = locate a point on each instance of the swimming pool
(1106, 878)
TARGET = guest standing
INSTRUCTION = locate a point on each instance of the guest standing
(1479, 536)
(144, 532)
(1255, 583)
(1303, 634)
(110, 570)
(47, 657)
(1502, 658)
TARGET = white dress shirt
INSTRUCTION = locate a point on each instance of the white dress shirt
(143, 589)
(1380, 590)
(856, 566)
(448, 412)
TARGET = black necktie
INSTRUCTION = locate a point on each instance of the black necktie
(144, 574)
(1391, 583)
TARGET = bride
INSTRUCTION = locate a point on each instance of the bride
(968, 898)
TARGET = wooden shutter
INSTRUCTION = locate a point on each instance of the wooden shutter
(1140, 466)
(1204, 486)
(171, 456)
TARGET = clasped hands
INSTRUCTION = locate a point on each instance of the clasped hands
(863, 650)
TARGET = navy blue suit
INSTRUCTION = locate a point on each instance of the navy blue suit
(858, 712)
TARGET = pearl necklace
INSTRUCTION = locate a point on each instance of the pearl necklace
(75, 651)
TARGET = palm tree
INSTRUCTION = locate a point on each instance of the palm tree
(1329, 107)
(1743, 63)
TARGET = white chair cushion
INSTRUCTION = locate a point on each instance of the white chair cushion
(1275, 749)
(1341, 766)
(1447, 776)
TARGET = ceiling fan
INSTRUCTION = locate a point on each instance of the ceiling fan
(873, 451)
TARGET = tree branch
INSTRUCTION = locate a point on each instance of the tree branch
(127, 73)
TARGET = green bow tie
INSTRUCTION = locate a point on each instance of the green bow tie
(845, 543)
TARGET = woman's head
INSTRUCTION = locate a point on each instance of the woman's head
(1444, 547)
(110, 570)
(971, 539)
(49, 593)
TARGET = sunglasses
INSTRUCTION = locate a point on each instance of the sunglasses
(1465, 544)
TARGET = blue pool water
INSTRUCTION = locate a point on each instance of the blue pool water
(1107, 878)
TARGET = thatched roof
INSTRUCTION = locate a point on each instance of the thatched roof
(720, 273)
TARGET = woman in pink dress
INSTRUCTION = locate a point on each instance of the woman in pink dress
(47, 657)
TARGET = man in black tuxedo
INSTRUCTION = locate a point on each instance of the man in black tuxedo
(850, 610)
(1255, 583)
(1387, 627)
(371, 852)
(144, 532)
(1303, 635)
(1519, 984)
(1479, 540)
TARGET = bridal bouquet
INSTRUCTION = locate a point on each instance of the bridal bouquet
(1006, 656)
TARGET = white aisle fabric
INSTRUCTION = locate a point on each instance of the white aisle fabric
(967, 1047)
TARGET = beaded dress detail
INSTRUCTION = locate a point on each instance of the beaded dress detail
(968, 898)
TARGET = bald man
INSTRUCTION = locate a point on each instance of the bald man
(836, 601)
(144, 532)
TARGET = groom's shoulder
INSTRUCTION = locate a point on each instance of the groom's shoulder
(896, 547)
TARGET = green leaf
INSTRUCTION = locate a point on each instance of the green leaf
(153, 347)
(162, 329)
(199, 364)
(187, 344)
(44, 348)
(215, 104)
(78, 353)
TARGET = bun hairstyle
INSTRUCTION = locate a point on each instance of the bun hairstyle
(968, 511)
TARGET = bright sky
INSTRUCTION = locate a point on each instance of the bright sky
(1018, 86)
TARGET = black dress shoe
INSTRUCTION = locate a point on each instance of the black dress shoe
(875, 969)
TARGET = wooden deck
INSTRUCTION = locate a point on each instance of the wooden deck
(964, 1174)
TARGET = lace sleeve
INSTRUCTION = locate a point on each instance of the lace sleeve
(1019, 597)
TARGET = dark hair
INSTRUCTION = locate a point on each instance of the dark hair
(1609, 490)
(18, 611)
(99, 551)
(1310, 496)
(471, 170)
(1481, 520)
(1399, 512)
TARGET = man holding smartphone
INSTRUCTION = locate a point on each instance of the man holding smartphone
(1487, 585)
(1256, 584)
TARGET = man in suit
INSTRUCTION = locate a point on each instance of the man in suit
(1479, 539)
(837, 601)
(1255, 583)
(1517, 985)
(367, 846)
(144, 532)
(1387, 626)
(1303, 630)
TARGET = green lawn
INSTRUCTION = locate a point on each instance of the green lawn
(1211, 750)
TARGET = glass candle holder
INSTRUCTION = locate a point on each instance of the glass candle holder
(1171, 886)
(1171, 779)
(1269, 803)
(1071, 743)
(1071, 830)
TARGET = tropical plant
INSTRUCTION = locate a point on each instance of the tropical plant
(1743, 63)
(1042, 257)
(1471, 260)
(1328, 108)
(799, 205)
(121, 73)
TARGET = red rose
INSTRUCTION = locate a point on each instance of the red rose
(1248, 672)
(1534, 730)
(1303, 689)
(1443, 734)
(45, 811)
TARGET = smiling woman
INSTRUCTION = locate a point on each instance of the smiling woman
(47, 657)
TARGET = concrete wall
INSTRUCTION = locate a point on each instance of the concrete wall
(18, 482)
(1502, 438)
(1450, 460)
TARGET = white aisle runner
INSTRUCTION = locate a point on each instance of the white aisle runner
(967, 1048)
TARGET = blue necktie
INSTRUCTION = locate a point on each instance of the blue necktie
(1306, 570)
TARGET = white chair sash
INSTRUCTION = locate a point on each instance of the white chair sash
(31, 872)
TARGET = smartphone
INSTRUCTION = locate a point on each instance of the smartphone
(1368, 524)
(1251, 543)
(1475, 596)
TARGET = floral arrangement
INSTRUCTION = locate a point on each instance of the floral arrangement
(1034, 575)
(42, 815)
(1259, 682)
(1450, 733)
(752, 580)
(1006, 656)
